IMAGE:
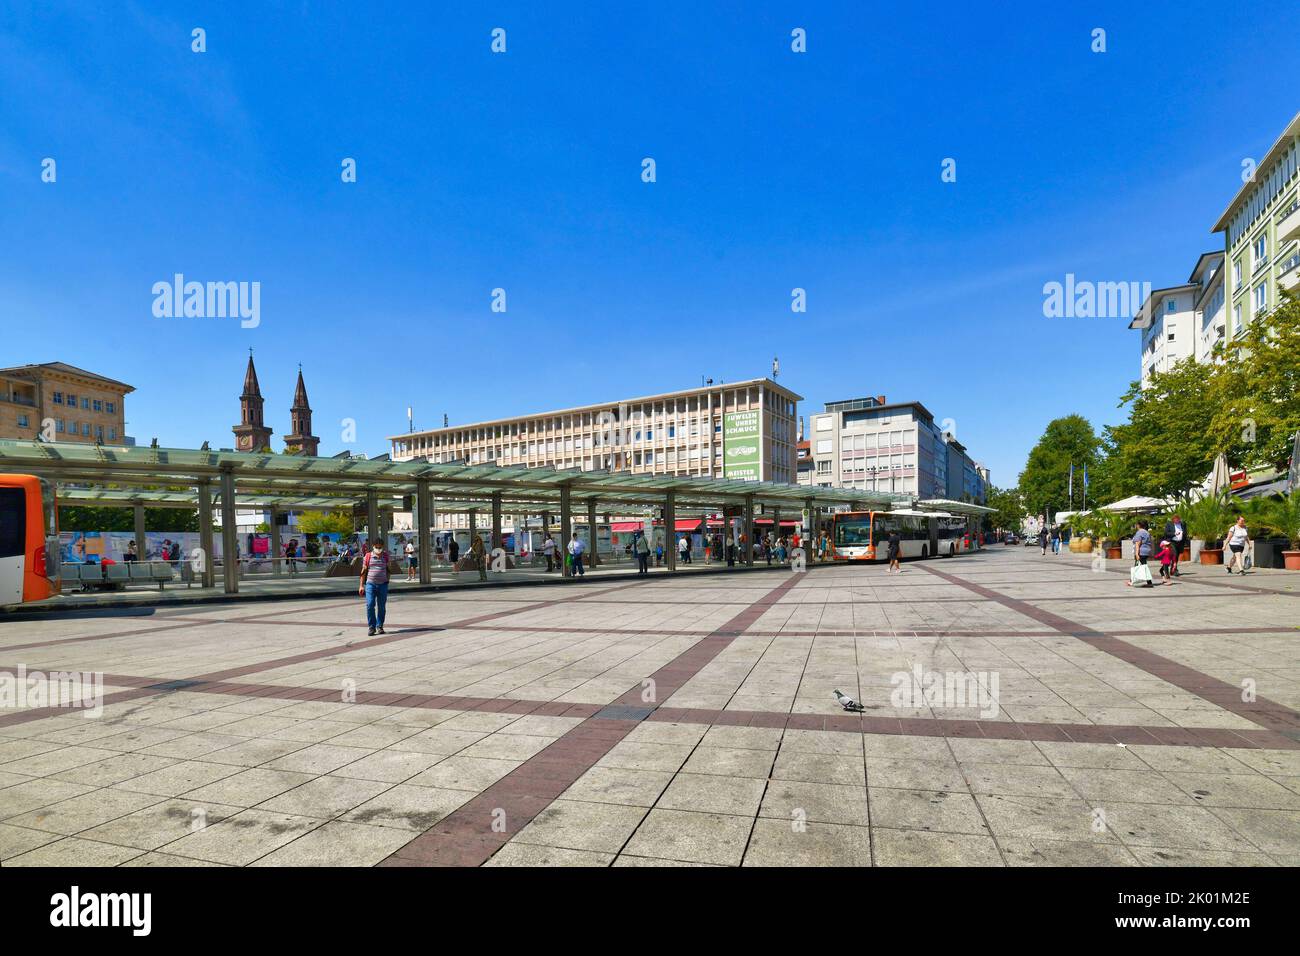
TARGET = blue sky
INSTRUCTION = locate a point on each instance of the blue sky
(522, 171)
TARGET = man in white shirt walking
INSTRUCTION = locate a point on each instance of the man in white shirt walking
(576, 547)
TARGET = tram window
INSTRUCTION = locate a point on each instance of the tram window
(13, 522)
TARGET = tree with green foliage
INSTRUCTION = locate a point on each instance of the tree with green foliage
(84, 518)
(1166, 446)
(320, 522)
(1045, 482)
(1010, 508)
(1257, 398)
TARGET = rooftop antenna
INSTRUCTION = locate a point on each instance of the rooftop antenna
(776, 368)
(410, 421)
(444, 420)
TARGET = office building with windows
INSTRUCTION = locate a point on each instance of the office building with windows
(1167, 321)
(876, 445)
(62, 403)
(742, 430)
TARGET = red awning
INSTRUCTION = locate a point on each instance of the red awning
(688, 524)
(618, 527)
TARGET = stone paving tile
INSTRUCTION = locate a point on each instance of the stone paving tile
(73, 851)
(337, 844)
(921, 848)
(325, 797)
(692, 837)
(79, 813)
(528, 854)
(159, 824)
(778, 843)
(408, 807)
(794, 801)
(241, 838)
(577, 825)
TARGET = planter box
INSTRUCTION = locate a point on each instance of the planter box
(1211, 555)
(1267, 552)
(1292, 559)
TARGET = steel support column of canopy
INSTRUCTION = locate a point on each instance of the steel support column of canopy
(423, 528)
(207, 550)
(749, 530)
(372, 518)
(566, 532)
(277, 552)
(670, 530)
(229, 539)
(496, 521)
(593, 538)
(138, 514)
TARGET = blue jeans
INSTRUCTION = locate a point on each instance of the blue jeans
(376, 603)
(577, 565)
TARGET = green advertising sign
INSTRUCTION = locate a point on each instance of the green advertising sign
(740, 445)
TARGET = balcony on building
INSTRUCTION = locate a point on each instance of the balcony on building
(1288, 227)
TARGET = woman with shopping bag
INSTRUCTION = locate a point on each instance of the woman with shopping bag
(1140, 576)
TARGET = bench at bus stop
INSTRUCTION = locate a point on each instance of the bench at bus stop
(118, 575)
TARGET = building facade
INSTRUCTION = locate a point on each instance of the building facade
(1261, 231)
(62, 403)
(1208, 309)
(1167, 321)
(744, 430)
(875, 445)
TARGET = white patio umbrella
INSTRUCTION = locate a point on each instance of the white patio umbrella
(1219, 478)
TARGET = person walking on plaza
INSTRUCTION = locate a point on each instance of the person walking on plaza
(1042, 538)
(895, 545)
(479, 555)
(576, 547)
(374, 586)
(1142, 546)
(1166, 556)
(1176, 535)
(1056, 539)
(548, 549)
(641, 547)
(684, 550)
(412, 562)
(1236, 540)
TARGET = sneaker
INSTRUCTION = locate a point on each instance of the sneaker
(381, 630)
(370, 633)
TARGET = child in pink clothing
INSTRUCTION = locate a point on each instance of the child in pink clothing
(1166, 556)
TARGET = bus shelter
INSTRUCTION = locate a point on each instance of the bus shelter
(201, 479)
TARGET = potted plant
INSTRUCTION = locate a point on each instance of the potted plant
(1207, 520)
(1111, 525)
(1282, 516)
(1081, 540)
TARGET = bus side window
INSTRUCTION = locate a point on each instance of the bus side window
(13, 522)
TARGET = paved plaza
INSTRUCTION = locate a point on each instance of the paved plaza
(1019, 710)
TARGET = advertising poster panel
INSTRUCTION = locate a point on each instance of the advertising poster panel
(740, 445)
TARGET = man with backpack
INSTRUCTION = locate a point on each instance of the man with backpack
(374, 586)
(641, 547)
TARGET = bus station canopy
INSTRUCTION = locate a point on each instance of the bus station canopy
(311, 483)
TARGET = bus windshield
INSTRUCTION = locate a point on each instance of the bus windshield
(851, 532)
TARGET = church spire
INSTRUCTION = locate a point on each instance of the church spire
(251, 434)
(300, 440)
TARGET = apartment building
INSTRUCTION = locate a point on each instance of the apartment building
(80, 406)
(1209, 304)
(1167, 320)
(742, 430)
(871, 444)
(1261, 230)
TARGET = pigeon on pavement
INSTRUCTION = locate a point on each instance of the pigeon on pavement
(848, 703)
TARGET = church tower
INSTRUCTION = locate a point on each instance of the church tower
(251, 434)
(300, 440)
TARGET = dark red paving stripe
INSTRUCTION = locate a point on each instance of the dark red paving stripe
(468, 837)
(1267, 713)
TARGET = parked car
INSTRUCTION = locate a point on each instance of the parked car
(1011, 538)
